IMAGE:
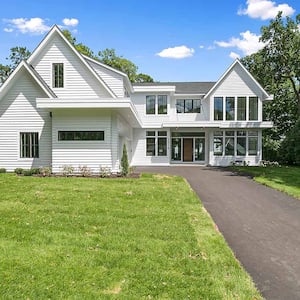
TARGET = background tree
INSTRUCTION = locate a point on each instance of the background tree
(17, 54)
(277, 68)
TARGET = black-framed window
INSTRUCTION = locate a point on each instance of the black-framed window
(156, 143)
(29, 144)
(188, 106)
(150, 105)
(81, 135)
(162, 104)
(58, 75)
(218, 108)
(241, 108)
(156, 104)
(253, 108)
(230, 108)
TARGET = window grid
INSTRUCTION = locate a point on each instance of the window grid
(156, 143)
(188, 106)
(29, 145)
(58, 75)
(156, 104)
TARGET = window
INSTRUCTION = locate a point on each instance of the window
(176, 149)
(156, 143)
(162, 104)
(241, 143)
(156, 104)
(253, 108)
(58, 75)
(188, 106)
(229, 142)
(81, 135)
(241, 108)
(252, 142)
(218, 108)
(230, 110)
(218, 143)
(150, 105)
(29, 145)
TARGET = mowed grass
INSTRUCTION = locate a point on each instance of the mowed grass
(80, 238)
(285, 178)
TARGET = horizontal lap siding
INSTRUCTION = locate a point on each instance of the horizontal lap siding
(112, 79)
(92, 154)
(78, 80)
(17, 114)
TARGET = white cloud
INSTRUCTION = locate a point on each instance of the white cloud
(265, 9)
(248, 44)
(201, 47)
(23, 25)
(234, 55)
(176, 52)
(70, 22)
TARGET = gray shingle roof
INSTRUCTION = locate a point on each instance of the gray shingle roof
(183, 87)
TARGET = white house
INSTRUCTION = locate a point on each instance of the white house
(61, 108)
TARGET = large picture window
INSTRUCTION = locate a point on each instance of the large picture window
(29, 144)
(58, 75)
(81, 135)
(156, 143)
(188, 106)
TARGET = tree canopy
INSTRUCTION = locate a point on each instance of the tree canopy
(277, 68)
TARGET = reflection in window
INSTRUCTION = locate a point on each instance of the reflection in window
(230, 108)
(218, 108)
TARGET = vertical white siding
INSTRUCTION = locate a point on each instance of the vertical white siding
(112, 79)
(78, 80)
(18, 113)
(92, 154)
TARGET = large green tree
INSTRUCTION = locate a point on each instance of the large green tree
(277, 68)
(17, 54)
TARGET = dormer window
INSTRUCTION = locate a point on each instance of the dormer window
(58, 75)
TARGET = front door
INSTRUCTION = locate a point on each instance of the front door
(188, 150)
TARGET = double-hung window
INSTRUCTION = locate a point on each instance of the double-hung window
(29, 144)
(156, 143)
(58, 75)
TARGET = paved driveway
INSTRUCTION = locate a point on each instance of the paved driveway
(261, 225)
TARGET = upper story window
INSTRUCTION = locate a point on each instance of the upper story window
(156, 104)
(58, 75)
(81, 135)
(188, 106)
(236, 108)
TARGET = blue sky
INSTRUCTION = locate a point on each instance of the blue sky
(170, 40)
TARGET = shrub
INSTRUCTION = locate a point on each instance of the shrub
(124, 162)
(45, 171)
(35, 171)
(85, 171)
(104, 172)
(27, 172)
(67, 170)
(2, 170)
(19, 171)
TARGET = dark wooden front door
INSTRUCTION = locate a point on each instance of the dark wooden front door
(187, 149)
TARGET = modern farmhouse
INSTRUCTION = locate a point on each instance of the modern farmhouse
(60, 108)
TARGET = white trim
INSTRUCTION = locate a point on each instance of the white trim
(155, 89)
(44, 42)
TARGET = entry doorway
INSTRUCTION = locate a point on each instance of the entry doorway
(188, 149)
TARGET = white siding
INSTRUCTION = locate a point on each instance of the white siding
(139, 157)
(78, 80)
(92, 154)
(18, 113)
(112, 79)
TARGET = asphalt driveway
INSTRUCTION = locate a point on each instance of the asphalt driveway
(261, 225)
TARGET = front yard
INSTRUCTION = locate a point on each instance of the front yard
(81, 238)
(285, 178)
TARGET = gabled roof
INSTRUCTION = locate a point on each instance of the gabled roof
(24, 65)
(182, 87)
(238, 62)
(56, 30)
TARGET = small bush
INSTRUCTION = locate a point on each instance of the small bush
(67, 170)
(2, 170)
(27, 172)
(104, 171)
(45, 171)
(19, 171)
(85, 171)
(35, 171)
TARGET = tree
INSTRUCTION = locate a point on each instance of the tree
(17, 54)
(124, 162)
(110, 58)
(277, 68)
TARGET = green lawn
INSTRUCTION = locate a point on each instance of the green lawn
(285, 179)
(85, 238)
